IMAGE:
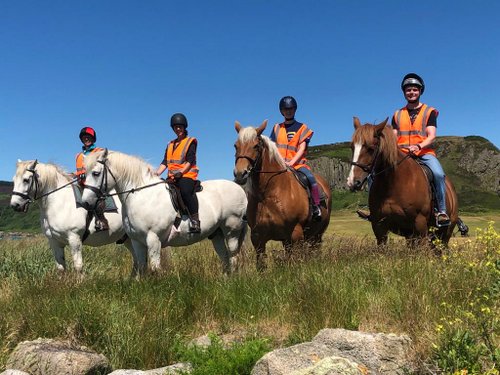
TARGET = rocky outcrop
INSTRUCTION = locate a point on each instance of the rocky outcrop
(334, 171)
(339, 351)
(49, 357)
(473, 156)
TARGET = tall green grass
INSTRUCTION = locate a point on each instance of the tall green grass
(350, 283)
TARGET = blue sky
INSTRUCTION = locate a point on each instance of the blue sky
(124, 67)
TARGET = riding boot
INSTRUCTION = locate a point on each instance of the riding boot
(101, 223)
(316, 210)
(194, 223)
(365, 215)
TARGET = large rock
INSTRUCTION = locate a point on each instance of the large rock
(373, 353)
(14, 372)
(50, 357)
(178, 368)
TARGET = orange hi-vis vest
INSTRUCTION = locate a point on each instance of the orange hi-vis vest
(413, 134)
(288, 149)
(176, 158)
(80, 166)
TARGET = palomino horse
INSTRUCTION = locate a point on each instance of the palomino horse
(278, 206)
(400, 197)
(61, 221)
(149, 216)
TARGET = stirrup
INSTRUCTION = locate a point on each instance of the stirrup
(445, 220)
(194, 226)
(316, 213)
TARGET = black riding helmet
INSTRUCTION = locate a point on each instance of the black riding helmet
(88, 131)
(288, 102)
(413, 80)
(178, 119)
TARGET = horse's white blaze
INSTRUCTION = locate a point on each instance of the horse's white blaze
(149, 216)
(355, 157)
(61, 221)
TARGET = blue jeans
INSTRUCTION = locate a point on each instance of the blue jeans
(439, 185)
(433, 163)
(309, 175)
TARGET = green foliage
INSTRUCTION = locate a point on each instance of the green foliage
(217, 359)
(468, 334)
(15, 221)
(350, 284)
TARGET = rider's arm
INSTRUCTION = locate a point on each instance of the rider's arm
(160, 169)
(298, 155)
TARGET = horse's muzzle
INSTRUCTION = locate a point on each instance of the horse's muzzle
(356, 185)
(20, 207)
(241, 177)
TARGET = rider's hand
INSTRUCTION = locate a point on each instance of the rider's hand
(177, 175)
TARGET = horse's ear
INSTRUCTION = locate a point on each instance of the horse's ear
(261, 128)
(237, 126)
(356, 122)
(380, 127)
(34, 164)
(19, 160)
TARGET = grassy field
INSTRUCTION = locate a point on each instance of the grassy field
(347, 222)
(449, 306)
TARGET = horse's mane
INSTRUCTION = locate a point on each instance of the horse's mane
(249, 134)
(128, 168)
(388, 144)
(48, 174)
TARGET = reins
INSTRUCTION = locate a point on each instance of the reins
(100, 192)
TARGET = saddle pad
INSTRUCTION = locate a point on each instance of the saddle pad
(110, 202)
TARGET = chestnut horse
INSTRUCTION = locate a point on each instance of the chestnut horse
(400, 197)
(278, 205)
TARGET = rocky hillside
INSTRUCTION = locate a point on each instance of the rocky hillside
(472, 163)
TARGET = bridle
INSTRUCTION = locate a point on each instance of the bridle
(36, 184)
(100, 192)
(369, 168)
(33, 183)
(255, 164)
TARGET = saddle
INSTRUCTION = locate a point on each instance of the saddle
(176, 197)
(304, 182)
(78, 191)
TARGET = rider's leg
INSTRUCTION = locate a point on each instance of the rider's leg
(189, 197)
(314, 192)
(439, 184)
(101, 223)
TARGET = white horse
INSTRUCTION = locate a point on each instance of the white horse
(149, 216)
(61, 221)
